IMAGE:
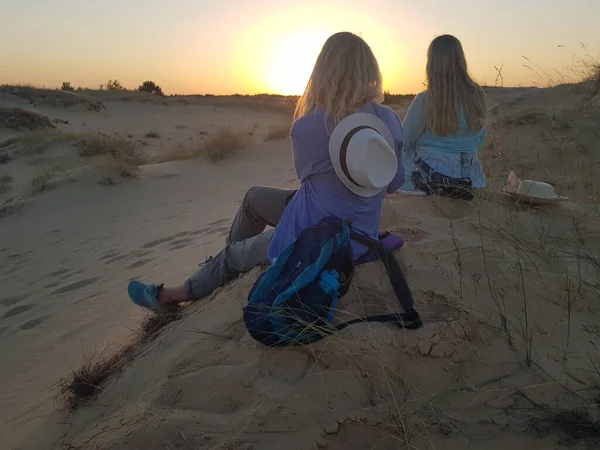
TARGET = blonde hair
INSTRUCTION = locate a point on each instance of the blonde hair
(345, 77)
(451, 90)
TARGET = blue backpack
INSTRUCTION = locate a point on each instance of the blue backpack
(294, 301)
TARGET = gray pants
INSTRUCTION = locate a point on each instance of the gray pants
(247, 244)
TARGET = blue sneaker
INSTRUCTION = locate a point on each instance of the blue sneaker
(145, 295)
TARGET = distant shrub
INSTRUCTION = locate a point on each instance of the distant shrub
(112, 85)
(219, 146)
(52, 97)
(40, 182)
(390, 99)
(126, 156)
(22, 119)
(154, 134)
(150, 87)
(594, 77)
(223, 144)
(6, 182)
(36, 142)
(280, 132)
(66, 86)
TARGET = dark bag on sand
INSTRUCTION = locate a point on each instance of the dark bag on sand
(294, 301)
(432, 182)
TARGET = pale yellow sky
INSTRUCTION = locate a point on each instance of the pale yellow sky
(244, 46)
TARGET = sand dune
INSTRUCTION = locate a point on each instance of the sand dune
(507, 357)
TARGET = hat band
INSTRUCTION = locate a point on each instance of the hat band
(344, 151)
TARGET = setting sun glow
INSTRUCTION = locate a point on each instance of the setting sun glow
(277, 54)
(291, 63)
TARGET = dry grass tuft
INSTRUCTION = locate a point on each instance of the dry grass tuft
(123, 155)
(594, 78)
(5, 158)
(37, 142)
(6, 183)
(42, 181)
(154, 134)
(85, 382)
(281, 131)
(224, 144)
(51, 97)
(219, 146)
(21, 119)
(10, 208)
(178, 153)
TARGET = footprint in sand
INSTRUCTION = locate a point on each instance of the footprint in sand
(33, 323)
(9, 301)
(218, 222)
(74, 286)
(177, 247)
(157, 242)
(52, 285)
(117, 258)
(2, 250)
(201, 231)
(181, 241)
(17, 310)
(57, 273)
(109, 255)
(182, 233)
(202, 244)
(88, 297)
(13, 268)
(218, 230)
(140, 263)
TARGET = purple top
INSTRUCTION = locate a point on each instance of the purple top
(322, 194)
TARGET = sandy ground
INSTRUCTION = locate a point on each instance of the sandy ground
(508, 355)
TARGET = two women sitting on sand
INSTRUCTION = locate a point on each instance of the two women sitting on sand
(444, 126)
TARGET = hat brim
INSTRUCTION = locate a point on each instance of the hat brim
(512, 192)
(337, 137)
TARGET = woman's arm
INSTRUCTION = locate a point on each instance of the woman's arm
(310, 145)
(414, 122)
(398, 134)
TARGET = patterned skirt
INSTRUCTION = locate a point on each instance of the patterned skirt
(455, 165)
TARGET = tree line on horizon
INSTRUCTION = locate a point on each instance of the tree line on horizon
(115, 85)
(152, 88)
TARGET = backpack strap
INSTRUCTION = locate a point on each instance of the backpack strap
(409, 318)
(421, 164)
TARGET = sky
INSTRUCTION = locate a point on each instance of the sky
(246, 47)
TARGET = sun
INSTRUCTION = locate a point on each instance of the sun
(292, 61)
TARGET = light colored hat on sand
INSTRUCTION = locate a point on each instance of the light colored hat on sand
(531, 191)
(362, 151)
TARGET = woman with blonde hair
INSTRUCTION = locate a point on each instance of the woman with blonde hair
(345, 80)
(445, 125)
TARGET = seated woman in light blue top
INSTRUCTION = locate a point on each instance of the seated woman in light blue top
(445, 125)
